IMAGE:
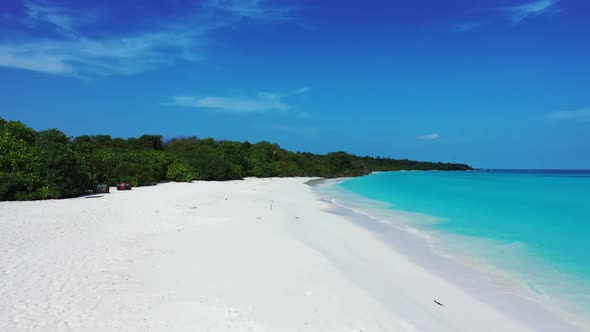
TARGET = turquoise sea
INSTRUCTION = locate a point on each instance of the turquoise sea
(533, 226)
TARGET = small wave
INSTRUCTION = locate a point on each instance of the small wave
(509, 265)
(418, 233)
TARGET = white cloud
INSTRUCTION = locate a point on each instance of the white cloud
(429, 137)
(302, 90)
(262, 102)
(40, 11)
(28, 57)
(86, 58)
(251, 9)
(72, 53)
(582, 115)
(518, 13)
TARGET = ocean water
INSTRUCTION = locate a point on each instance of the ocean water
(532, 226)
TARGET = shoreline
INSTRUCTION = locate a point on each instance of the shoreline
(504, 292)
(258, 254)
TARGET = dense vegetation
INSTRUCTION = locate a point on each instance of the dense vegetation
(49, 164)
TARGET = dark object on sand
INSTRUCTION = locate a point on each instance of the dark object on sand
(440, 304)
(102, 189)
(124, 186)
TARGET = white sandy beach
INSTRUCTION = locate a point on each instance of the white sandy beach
(252, 255)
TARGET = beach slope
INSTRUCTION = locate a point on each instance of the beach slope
(252, 255)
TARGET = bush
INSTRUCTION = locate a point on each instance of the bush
(63, 170)
(181, 172)
(19, 163)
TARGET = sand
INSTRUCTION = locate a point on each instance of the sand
(252, 255)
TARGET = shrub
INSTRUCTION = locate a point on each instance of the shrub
(180, 171)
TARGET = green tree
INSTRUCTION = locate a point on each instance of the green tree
(64, 172)
(20, 166)
(180, 171)
(261, 159)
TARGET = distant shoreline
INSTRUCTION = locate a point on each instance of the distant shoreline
(49, 164)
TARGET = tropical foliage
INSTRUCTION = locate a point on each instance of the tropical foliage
(50, 165)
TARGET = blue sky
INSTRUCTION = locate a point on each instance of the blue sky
(490, 83)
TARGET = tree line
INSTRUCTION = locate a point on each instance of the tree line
(50, 165)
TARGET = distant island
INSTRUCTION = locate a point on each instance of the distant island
(50, 165)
